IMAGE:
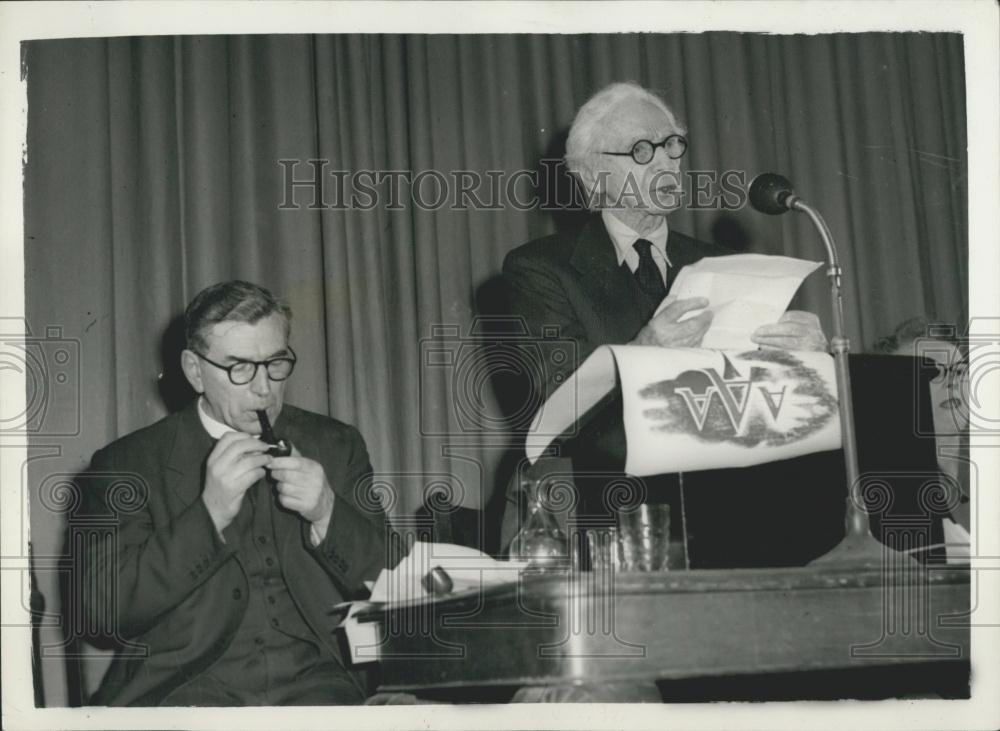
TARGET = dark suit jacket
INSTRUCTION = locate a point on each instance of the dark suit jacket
(777, 514)
(573, 281)
(172, 586)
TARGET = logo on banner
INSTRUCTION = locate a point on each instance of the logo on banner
(776, 399)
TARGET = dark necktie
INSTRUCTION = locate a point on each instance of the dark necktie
(647, 273)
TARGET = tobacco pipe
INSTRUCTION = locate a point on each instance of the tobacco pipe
(277, 447)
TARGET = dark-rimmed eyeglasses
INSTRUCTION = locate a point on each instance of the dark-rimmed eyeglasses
(243, 371)
(951, 372)
(644, 150)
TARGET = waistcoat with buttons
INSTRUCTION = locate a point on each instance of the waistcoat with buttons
(273, 642)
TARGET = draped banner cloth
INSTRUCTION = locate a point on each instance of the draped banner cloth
(689, 409)
(152, 170)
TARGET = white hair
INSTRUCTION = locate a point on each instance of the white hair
(587, 130)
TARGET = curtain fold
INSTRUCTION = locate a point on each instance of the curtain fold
(180, 138)
(153, 170)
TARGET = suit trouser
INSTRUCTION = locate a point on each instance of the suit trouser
(325, 685)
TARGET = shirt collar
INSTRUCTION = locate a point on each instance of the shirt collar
(214, 427)
(624, 236)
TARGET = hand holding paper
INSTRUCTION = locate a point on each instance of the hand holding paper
(670, 329)
(686, 409)
(747, 295)
(796, 330)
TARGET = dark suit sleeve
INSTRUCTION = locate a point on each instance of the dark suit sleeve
(537, 296)
(354, 548)
(133, 570)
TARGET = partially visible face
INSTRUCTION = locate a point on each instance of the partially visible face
(634, 189)
(948, 390)
(229, 342)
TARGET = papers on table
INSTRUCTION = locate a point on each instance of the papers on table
(958, 542)
(744, 291)
(468, 569)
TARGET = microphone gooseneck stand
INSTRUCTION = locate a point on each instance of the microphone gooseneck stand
(859, 545)
(772, 194)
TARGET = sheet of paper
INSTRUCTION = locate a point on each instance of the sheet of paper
(958, 542)
(744, 291)
(469, 569)
(693, 409)
(362, 637)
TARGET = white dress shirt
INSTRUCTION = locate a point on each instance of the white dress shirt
(216, 429)
(624, 239)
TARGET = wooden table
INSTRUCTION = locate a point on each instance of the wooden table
(583, 627)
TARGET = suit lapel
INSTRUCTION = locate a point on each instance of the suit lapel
(186, 461)
(608, 285)
(683, 250)
(308, 584)
(287, 525)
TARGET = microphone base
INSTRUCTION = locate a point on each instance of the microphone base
(859, 550)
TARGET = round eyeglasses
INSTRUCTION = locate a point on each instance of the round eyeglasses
(644, 150)
(949, 372)
(243, 371)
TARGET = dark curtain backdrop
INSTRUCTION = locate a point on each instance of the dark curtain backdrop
(152, 171)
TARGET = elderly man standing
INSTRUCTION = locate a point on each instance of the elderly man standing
(228, 561)
(602, 283)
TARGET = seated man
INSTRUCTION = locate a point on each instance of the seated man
(225, 565)
(601, 284)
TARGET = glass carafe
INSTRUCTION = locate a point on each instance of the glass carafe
(540, 542)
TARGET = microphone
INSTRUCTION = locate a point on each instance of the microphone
(772, 194)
